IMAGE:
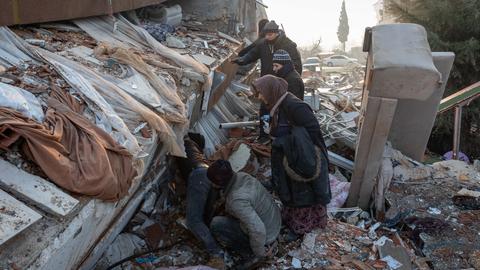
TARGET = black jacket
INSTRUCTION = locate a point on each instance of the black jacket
(250, 47)
(264, 51)
(293, 191)
(295, 84)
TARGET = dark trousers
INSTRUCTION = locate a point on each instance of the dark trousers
(199, 206)
(230, 235)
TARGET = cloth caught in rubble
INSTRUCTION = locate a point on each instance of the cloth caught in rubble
(74, 153)
(304, 220)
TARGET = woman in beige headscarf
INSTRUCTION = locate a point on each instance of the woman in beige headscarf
(304, 199)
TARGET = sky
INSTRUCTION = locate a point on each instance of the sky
(305, 21)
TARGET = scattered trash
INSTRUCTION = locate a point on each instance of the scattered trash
(434, 211)
(296, 263)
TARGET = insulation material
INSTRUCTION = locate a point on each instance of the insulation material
(105, 114)
(20, 100)
(172, 105)
(129, 109)
(127, 35)
(13, 51)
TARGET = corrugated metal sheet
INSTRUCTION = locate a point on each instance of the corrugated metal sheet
(35, 11)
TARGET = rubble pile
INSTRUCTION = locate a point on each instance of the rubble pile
(436, 207)
(122, 81)
(336, 98)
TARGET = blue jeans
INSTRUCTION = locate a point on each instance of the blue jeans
(230, 235)
(199, 208)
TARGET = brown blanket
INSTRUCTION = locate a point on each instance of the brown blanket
(74, 153)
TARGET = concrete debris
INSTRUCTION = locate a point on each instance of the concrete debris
(125, 245)
(396, 256)
(159, 31)
(240, 157)
(296, 263)
(476, 165)
(207, 60)
(149, 203)
(174, 42)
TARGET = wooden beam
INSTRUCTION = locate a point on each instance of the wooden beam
(36, 190)
(379, 113)
(463, 96)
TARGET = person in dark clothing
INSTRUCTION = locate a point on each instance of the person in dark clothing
(258, 41)
(283, 68)
(200, 196)
(275, 39)
(304, 199)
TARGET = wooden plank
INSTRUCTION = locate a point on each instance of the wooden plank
(377, 146)
(376, 125)
(229, 38)
(467, 94)
(14, 217)
(36, 190)
(370, 108)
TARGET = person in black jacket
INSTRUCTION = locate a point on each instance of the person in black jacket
(283, 68)
(304, 199)
(201, 196)
(258, 41)
(275, 39)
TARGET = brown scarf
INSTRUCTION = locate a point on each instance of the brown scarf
(274, 90)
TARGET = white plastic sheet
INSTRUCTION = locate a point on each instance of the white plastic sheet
(22, 101)
(127, 35)
(115, 104)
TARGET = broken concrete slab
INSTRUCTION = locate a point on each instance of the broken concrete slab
(36, 190)
(398, 71)
(174, 42)
(204, 59)
(456, 169)
(397, 253)
(15, 216)
(414, 119)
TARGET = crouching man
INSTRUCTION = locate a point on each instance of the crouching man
(200, 197)
(255, 220)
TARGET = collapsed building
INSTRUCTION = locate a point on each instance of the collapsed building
(121, 83)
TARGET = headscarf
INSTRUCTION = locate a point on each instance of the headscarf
(274, 90)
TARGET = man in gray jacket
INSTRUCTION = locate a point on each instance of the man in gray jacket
(256, 219)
